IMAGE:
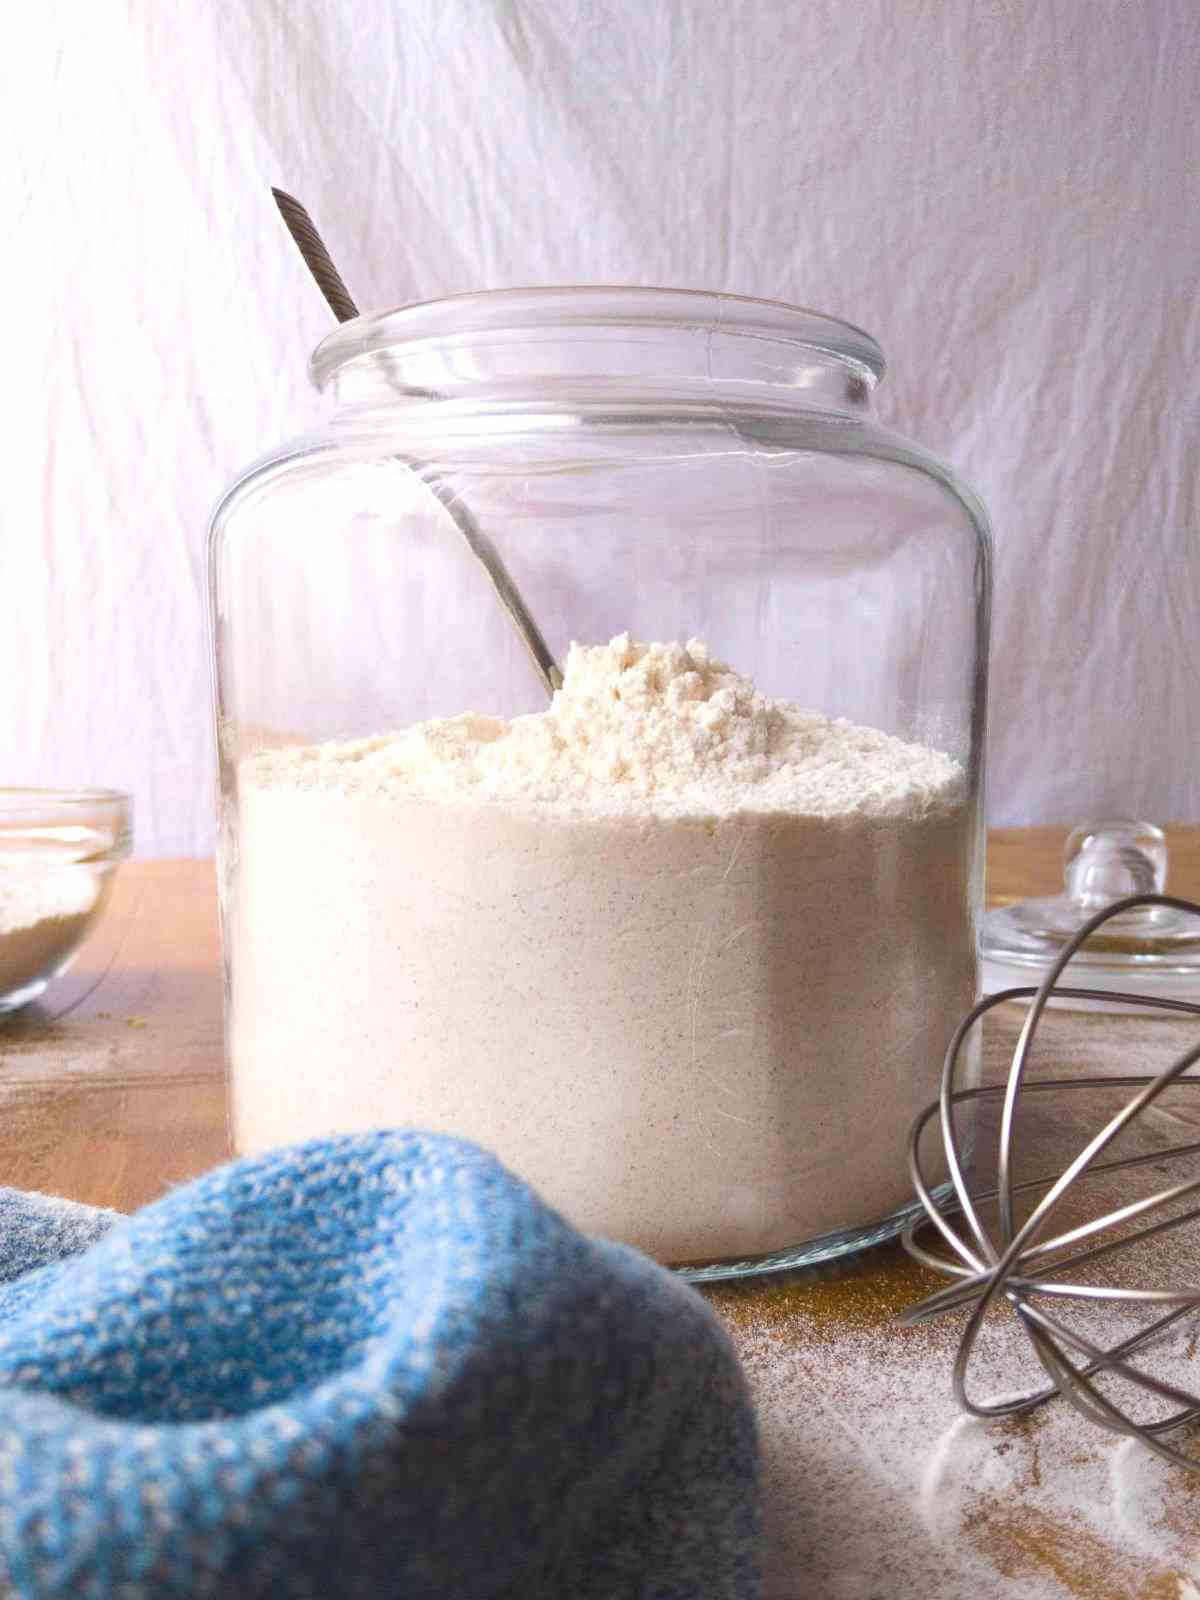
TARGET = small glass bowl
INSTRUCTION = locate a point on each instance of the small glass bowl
(59, 851)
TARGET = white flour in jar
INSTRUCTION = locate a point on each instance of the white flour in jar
(685, 957)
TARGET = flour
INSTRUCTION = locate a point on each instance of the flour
(686, 957)
(636, 730)
(44, 913)
(875, 1483)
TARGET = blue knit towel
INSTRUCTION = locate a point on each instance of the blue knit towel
(369, 1366)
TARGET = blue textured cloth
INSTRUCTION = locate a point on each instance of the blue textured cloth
(369, 1366)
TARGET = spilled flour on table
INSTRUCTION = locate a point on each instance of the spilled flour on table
(876, 1487)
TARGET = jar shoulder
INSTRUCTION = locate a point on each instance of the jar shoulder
(704, 443)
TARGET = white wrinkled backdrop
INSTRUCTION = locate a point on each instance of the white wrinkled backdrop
(1003, 191)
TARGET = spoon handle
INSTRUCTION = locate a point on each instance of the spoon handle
(316, 258)
(329, 280)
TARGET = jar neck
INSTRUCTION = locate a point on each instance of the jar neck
(608, 347)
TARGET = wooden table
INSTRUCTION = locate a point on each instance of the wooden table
(115, 1090)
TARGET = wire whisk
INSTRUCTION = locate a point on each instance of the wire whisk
(1033, 1269)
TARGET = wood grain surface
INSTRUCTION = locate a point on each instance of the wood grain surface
(113, 1088)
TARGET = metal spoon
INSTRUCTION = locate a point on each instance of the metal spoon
(329, 280)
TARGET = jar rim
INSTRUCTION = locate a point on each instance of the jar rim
(503, 311)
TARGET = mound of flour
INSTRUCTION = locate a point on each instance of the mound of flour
(660, 728)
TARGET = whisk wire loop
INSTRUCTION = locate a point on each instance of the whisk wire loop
(1028, 1266)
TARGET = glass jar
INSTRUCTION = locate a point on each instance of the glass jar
(686, 945)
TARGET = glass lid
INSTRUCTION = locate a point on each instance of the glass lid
(1154, 949)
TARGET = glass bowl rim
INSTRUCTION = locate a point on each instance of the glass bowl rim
(20, 800)
(30, 812)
